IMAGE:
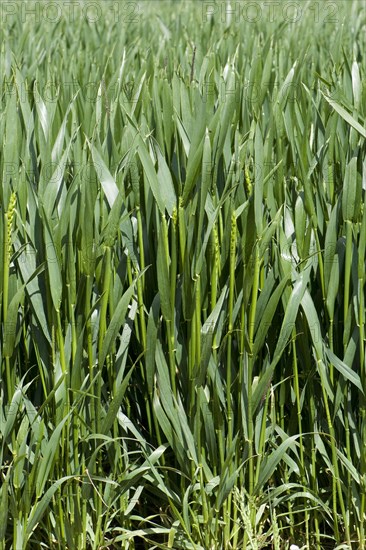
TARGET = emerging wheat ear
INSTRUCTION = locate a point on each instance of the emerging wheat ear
(9, 217)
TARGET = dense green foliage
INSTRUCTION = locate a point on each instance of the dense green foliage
(182, 289)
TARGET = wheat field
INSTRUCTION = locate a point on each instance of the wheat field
(182, 284)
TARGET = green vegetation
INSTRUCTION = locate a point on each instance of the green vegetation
(182, 291)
